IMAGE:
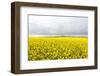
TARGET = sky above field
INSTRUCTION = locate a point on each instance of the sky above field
(57, 25)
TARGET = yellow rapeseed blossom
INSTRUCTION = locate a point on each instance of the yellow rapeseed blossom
(54, 48)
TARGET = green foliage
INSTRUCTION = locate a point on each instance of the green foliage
(54, 48)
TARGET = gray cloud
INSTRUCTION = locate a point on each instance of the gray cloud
(52, 25)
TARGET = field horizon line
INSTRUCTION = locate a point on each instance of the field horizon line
(51, 36)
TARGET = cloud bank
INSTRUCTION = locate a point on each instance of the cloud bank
(52, 25)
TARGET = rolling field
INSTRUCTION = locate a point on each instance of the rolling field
(54, 48)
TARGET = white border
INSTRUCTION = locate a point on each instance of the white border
(25, 64)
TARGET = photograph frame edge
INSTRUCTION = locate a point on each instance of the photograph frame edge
(15, 37)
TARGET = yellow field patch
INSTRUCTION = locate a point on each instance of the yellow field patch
(54, 48)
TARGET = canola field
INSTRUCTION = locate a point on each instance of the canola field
(54, 48)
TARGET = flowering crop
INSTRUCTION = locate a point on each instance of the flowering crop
(54, 48)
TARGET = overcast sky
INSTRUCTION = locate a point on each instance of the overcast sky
(57, 25)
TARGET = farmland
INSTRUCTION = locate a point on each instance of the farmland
(54, 48)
